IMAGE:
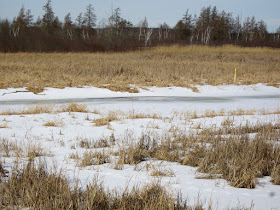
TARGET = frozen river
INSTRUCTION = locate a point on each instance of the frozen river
(161, 103)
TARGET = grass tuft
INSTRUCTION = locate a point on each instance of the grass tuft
(94, 158)
(105, 120)
(4, 125)
(75, 107)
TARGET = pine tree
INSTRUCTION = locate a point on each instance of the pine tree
(90, 17)
(48, 17)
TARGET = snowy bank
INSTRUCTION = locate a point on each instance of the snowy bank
(93, 92)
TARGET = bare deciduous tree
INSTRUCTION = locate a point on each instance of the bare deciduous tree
(148, 35)
(68, 26)
(142, 25)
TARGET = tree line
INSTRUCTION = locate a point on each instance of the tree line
(48, 34)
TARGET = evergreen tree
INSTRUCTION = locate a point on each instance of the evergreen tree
(48, 17)
(90, 17)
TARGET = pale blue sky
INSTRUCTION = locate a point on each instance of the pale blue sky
(156, 11)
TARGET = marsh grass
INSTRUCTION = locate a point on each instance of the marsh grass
(227, 122)
(162, 66)
(238, 158)
(34, 151)
(276, 174)
(50, 124)
(147, 148)
(141, 115)
(3, 172)
(242, 112)
(95, 158)
(48, 109)
(159, 170)
(53, 123)
(74, 107)
(212, 113)
(105, 120)
(37, 109)
(5, 125)
(35, 187)
(10, 148)
(99, 143)
(6, 147)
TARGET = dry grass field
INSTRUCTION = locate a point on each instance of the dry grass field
(161, 66)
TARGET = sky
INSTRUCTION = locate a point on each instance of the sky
(156, 11)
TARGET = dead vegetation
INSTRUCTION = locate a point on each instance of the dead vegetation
(161, 66)
(99, 143)
(36, 109)
(105, 120)
(48, 109)
(240, 159)
(53, 123)
(36, 188)
(158, 170)
(141, 115)
(8, 148)
(5, 125)
(34, 151)
(95, 158)
(74, 107)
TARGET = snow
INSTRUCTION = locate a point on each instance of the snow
(59, 143)
(93, 92)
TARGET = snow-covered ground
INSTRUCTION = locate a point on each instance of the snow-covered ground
(93, 92)
(173, 107)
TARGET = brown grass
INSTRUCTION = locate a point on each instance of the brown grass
(35, 188)
(74, 107)
(212, 113)
(238, 158)
(3, 172)
(276, 175)
(49, 109)
(34, 151)
(162, 66)
(50, 124)
(37, 109)
(53, 123)
(10, 148)
(227, 122)
(94, 158)
(105, 120)
(141, 115)
(4, 125)
(159, 170)
(147, 148)
(100, 143)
